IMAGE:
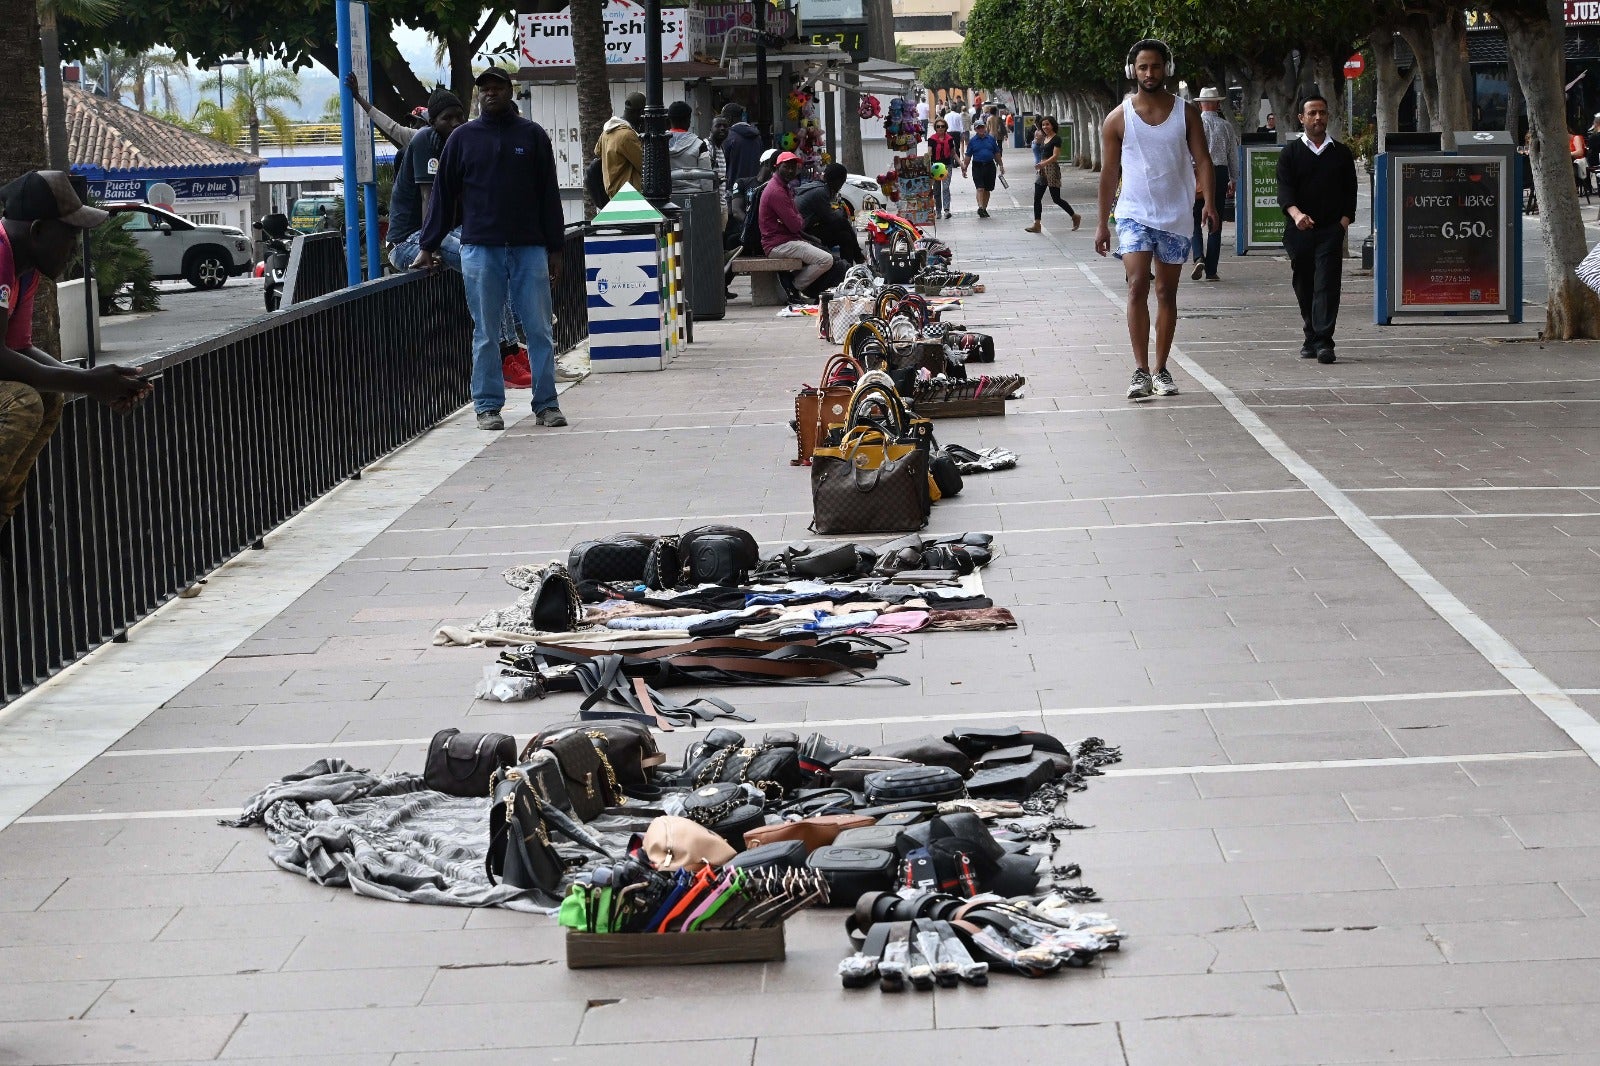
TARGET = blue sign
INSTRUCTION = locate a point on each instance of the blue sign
(117, 189)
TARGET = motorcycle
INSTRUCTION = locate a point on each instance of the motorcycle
(276, 237)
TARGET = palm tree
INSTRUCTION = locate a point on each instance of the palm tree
(218, 123)
(147, 70)
(48, 13)
(256, 96)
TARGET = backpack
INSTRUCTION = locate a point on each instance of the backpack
(594, 182)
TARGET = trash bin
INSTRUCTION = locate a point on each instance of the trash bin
(635, 309)
(702, 254)
(1022, 130)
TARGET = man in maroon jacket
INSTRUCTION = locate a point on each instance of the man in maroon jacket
(783, 231)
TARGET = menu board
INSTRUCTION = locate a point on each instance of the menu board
(1450, 234)
(1265, 220)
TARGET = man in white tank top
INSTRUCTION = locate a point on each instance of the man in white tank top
(1155, 147)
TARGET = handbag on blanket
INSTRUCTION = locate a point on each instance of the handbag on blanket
(462, 764)
(549, 602)
(617, 558)
(591, 783)
(520, 825)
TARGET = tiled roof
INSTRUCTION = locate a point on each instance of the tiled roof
(113, 137)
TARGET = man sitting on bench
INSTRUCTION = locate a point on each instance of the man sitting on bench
(783, 231)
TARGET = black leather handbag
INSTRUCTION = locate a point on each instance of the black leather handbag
(617, 558)
(663, 568)
(1016, 780)
(717, 559)
(915, 783)
(745, 557)
(461, 764)
(739, 822)
(520, 826)
(780, 854)
(712, 803)
(591, 783)
(853, 872)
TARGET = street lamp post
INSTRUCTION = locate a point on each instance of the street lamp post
(657, 172)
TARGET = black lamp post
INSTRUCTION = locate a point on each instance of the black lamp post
(657, 171)
(763, 92)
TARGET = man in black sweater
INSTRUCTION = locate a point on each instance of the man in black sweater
(497, 174)
(1317, 190)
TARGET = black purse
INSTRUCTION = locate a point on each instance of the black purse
(748, 553)
(462, 764)
(617, 558)
(520, 825)
(915, 783)
(718, 559)
(591, 783)
(663, 569)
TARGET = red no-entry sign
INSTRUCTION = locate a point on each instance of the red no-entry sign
(1354, 66)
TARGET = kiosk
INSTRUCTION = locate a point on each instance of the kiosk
(1449, 229)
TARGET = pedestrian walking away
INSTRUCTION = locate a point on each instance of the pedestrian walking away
(984, 155)
(743, 150)
(943, 148)
(1154, 147)
(43, 225)
(498, 174)
(1047, 146)
(1317, 191)
(956, 120)
(1222, 145)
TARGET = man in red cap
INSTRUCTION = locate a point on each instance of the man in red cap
(783, 231)
(44, 221)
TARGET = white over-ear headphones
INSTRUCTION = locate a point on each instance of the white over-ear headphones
(1145, 45)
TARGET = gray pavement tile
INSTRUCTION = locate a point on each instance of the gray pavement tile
(1404, 906)
(441, 1028)
(1111, 815)
(1310, 747)
(1071, 1000)
(246, 993)
(681, 1053)
(1234, 722)
(163, 890)
(1534, 939)
(1331, 779)
(1147, 918)
(1411, 837)
(26, 893)
(1469, 799)
(343, 912)
(1383, 986)
(1557, 830)
(1121, 880)
(1093, 848)
(61, 928)
(123, 1040)
(1388, 1036)
(1561, 1027)
(33, 1000)
(1248, 950)
(538, 941)
(818, 1013)
(84, 962)
(1485, 868)
(1089, 1045)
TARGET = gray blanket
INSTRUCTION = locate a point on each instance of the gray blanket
(393, 838)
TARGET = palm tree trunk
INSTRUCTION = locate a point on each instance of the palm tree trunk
(54, 95)
(594, 81)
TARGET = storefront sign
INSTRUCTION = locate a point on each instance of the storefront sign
(1581, 12)
(1449, 233)
(720, 18)
(546, 40)
(832, 11)
(134, 189)
(1258, 217)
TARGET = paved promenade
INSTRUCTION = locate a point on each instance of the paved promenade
(1342, 621)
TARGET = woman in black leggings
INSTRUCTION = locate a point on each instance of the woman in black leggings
(1049, 176)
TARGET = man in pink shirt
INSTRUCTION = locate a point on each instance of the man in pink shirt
(43, 222)
(783, 231)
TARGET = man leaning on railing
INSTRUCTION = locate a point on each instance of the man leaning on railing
(43, 219)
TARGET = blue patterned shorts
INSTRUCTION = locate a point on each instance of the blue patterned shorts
(1137, 237)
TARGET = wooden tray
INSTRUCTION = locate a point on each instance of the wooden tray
(980, 407)
(587, 951)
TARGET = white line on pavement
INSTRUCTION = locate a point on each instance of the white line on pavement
(1495, 648)
(1057, 712)
(1151, 771)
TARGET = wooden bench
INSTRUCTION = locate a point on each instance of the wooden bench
(764, 288)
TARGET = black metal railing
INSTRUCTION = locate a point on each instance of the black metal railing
(245, 429)
(316, 267)
(572, 293)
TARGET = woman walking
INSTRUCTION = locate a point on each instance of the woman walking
(943, 148)
(1047, 145)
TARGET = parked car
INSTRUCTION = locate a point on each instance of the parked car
(204, 256)
(863, 194)
(313, 214)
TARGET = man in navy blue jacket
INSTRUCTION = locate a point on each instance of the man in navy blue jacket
(497, 174)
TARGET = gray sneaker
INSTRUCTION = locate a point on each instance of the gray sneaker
(1140, 386)
(1163, 383)
(552, 417)
(490, 420)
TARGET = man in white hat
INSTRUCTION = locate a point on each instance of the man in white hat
(1222, 143)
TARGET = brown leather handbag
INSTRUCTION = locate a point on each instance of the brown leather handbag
(815, 409)
(815, 832)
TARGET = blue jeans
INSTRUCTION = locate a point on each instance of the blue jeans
(1207, 248)
(496, 275)
(404, 253)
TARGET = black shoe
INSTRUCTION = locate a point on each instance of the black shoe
(1307, 352)
(1325, 355)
